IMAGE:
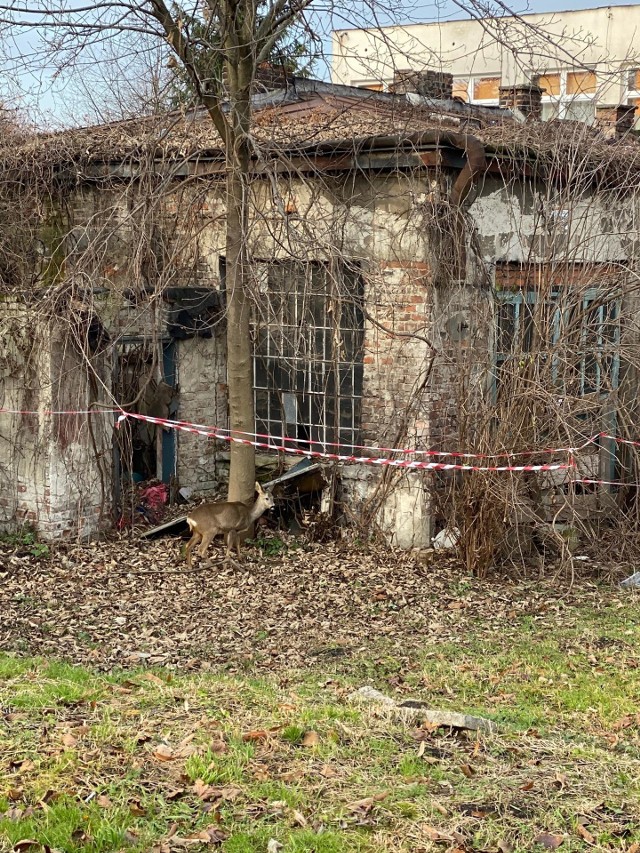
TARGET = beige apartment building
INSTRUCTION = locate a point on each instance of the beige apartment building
(579, 58)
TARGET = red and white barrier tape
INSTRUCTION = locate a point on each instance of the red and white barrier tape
(63, 412)
(414, 465)
(223, 434)
(291, 442)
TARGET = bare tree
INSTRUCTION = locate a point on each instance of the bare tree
(242, 33)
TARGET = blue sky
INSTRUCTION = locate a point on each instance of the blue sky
(60, 100)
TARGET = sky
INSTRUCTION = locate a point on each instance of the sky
(52, 99)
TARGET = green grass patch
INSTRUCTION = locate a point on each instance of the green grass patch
(131, 760)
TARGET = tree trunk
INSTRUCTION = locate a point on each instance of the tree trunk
(239, 345)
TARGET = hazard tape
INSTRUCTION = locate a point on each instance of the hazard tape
(414, 464)
(63, 412)
(405, 450)
(618, 440)
(224, 434)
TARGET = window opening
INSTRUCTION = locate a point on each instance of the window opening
(477, 90)
(308, 369)
(579, 332)
(568, 95)
(633, 90)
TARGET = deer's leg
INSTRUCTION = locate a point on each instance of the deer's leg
(207, 538)
(240, 536)
(231, 540)
(191, 544)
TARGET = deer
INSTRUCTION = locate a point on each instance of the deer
(227, 517)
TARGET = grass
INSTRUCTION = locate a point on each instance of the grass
(154, 760)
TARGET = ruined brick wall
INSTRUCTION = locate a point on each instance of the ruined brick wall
(56, 477)
(395, 362)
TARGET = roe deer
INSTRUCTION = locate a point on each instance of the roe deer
(230, 518)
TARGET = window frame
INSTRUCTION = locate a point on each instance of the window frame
(565, 99)
(470, 80)
(633, 91)
(561, 313)
(311, 391)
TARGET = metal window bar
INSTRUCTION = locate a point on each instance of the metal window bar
(598, 353)
(308, 369)
(599, 333)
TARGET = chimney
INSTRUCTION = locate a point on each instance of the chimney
(526, 97)
(615, 121)
(269, 76)
(429, 84)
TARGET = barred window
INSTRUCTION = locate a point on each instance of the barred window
(308, 369)
(578, 333)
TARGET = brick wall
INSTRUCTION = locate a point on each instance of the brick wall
(399, 300)
(50, 472)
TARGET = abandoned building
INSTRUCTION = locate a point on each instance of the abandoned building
(428, 275)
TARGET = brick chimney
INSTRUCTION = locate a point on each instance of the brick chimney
(269, 76)
(429, 84)
(526, 97)
(615, 121)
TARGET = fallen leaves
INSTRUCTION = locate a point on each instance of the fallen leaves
(255, 736)
(75, 597)
(438, 836)
(548, 840)
(366, 804)
(584, 833)
(163, 752)
(213, 835)
(215, 793)
(514, 781)
(310, 738)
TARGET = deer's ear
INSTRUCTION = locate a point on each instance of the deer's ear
(258, 488)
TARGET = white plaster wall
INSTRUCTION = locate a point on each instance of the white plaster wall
(203, 400)
(49, 474)
(518, 223)
(605, 38)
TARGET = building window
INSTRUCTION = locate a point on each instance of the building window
(308, 369)
(568, 95)
(633, 89)
(576, 333)
(477, 90)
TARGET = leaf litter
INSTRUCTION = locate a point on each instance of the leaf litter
(130, 603)
(312, 608)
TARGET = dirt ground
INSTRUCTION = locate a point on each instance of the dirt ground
(129, 602)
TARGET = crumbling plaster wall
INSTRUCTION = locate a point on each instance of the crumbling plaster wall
(51, 477)
(23, 438)
(527, 222)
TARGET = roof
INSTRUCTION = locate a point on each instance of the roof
(462, 18)
(315, 116)
(308, 112)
